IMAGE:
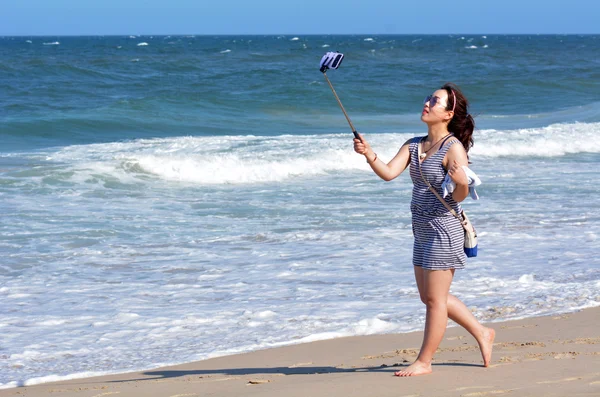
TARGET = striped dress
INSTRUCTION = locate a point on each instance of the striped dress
(439, 236)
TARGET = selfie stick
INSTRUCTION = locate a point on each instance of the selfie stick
(332, 60)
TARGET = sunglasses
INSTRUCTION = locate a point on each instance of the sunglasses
(433, 100)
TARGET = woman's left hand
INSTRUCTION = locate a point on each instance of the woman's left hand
(457, 174)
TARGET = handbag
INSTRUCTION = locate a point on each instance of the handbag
(470, 245)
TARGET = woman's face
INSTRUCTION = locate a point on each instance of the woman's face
(434, 108)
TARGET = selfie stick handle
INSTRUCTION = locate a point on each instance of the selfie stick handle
(342, 107)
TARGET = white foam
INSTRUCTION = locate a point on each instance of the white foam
(320, 336)
(53, 43)
(18, 296)
(551, 141)
(294, 39)
(51, 378)
(325, 45)
(214, 161)
(225, 51)
(373, 326)
(266, 314)
(142, 44)
(369, 39)
(527, 278)
(52, 323)
(28, 41)
(126, 317)
(471, 47)
(236, 168)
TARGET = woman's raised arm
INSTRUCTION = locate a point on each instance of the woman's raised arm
(388, 171)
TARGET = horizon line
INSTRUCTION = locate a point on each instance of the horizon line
(291, 34)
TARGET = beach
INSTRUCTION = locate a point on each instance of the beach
(178, 199)
(542, 356)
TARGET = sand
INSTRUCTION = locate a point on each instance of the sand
(543, 356)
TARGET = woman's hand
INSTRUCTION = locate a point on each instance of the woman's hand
(457, 173)
(361, 146)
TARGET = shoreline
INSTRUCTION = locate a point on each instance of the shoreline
(545, 356)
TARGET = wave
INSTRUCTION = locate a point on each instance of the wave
(53, 378)
(206, 160)
(552, 141)
(217, 160)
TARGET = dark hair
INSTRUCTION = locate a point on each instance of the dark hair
(462, 123)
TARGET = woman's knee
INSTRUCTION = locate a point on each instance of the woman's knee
(435, 302)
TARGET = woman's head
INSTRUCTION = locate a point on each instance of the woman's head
(448, 105)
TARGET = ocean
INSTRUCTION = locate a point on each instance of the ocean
(167, 199)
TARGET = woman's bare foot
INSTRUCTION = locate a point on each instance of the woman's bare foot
(486, 345)
(416, 368)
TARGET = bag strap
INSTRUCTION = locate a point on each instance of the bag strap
(445, 140)
(431, 188)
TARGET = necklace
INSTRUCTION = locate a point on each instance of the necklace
(424, 154)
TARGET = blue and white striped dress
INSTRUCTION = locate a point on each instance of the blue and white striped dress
(439, 236)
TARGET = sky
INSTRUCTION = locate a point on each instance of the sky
(219, 17)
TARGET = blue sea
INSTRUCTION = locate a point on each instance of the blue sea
(167, 199)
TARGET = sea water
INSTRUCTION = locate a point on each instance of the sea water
(173, 198)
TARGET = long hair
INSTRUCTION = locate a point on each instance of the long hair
(462, 123)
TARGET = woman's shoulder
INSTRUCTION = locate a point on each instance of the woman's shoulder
(455, 149)
(451, 142)
(415, 140)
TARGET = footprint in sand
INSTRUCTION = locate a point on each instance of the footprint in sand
(579, 341)
(258, 381)
(559, 356)
(508, 359)
(519, 326)
(558, 381)
(516, 345)
(184, 395)
(473, 387)
(487, 393)
(300, 365)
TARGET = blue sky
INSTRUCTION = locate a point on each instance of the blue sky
(103, 17)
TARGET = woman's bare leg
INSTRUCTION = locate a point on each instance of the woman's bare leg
(436, 285)
(459, 313)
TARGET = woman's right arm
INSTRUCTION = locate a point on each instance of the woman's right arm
(388, 171)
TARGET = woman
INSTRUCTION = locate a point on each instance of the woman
(439, 236)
